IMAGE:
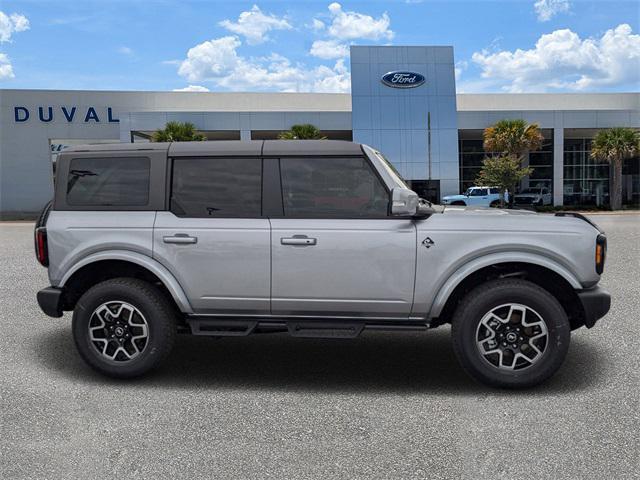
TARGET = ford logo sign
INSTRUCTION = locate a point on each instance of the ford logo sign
(403, 79)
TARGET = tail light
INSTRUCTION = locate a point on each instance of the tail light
(40, 235)
(42, 251)
(601, 253)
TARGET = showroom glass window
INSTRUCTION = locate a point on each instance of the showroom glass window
(586, 181)
(472, 154)
(120, 181)
(542, 163)
(217, 187)
(325, 187)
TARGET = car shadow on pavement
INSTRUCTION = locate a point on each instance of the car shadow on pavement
(374, 362)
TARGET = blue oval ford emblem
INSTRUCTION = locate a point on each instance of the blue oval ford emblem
(403, 79)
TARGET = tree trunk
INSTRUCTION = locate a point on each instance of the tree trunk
(615, 195)
(512, 190)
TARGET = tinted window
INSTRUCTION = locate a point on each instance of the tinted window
(494, 191)
(108, 181)
(332, 187)
(477, 192)
(217, 187)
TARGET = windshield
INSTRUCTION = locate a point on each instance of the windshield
(391, 170)
(535, 191)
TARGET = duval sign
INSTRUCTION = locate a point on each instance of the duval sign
(400, 79)
(69, 114)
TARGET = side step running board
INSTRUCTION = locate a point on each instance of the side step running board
(222, 328)
(324, 329)
(304, 328)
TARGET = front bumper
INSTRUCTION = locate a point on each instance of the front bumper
(50, 301)
(595, 302)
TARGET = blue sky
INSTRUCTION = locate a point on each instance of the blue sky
(500, 46)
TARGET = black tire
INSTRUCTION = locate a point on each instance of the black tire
(485, 298)
(155, 310)
(458, 203)
(495, 204)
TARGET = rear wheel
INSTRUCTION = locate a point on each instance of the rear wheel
(495, 204)
(123, 327)
(510, 333)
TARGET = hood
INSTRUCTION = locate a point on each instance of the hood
(527, 195)
(486, 211)
(493, 219)
(454, 197)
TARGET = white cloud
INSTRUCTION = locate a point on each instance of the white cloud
(10, 24)
(210, 59)
(317, 25)
(352, 25)
(217, 61)
(6, 70)
(329, 49)
(192, 88)
(125, 50)
(254, 25)
(561, 60)
(547, 9)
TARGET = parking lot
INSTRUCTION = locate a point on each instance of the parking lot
(393, 405)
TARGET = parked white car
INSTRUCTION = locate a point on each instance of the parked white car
(533, 196)
(477, 196)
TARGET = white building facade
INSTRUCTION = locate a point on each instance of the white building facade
(403, 102)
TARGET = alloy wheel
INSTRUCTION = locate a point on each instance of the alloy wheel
(118, 331)
(512, 337)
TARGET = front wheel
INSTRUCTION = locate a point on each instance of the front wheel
(510, 333)
(123, 327)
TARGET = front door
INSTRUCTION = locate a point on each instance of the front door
(336, 251)
(215, 240)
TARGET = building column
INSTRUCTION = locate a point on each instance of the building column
(245, 134)
(558, 166)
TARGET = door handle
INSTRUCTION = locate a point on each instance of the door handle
(298, 240)
(180, 239)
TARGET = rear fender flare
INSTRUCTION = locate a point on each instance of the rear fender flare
(144, 261)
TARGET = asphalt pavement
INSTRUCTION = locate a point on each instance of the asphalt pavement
(385, 405)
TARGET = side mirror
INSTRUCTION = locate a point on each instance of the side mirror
(404, 202)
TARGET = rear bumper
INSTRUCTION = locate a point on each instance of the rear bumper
(595, 302)
(50, 301)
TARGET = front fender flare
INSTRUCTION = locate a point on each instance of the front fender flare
(165, 276)
(493, 259)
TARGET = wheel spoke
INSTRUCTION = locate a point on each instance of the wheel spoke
(512, 336)
(125, 331)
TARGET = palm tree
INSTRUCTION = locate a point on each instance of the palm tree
(614, 146)
(178, 132)
(511, 139)
(305, 131)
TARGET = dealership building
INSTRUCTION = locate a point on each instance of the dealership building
(432, 135)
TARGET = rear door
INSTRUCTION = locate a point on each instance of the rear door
(214, 239)
(335, 249)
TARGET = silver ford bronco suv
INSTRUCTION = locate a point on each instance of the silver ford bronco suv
(313, 238)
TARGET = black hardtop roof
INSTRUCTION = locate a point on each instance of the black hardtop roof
(232, 148)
